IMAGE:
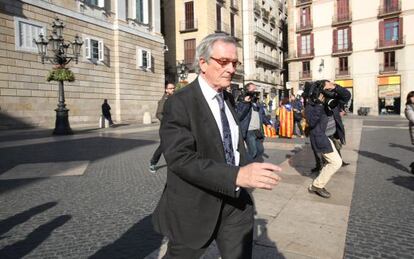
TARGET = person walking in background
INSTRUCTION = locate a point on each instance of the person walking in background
(285, 114)
(409, 114)
(169, 89)
(297, 115)
(252, 116)
(324, 126)
(205, 197)
(106, 112)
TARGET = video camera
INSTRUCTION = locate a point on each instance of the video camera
(313, 89)
(254, 96)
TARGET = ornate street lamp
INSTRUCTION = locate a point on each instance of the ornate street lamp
(182, 70)
(60, 73)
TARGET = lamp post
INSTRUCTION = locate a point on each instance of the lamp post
(60, 59)
(182, 70)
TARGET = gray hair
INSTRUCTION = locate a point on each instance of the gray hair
(206, 46)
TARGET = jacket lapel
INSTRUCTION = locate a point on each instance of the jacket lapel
(207, 117)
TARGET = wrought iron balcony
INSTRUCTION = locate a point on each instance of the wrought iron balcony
(392, 9)
(345, 72)
(188, 25)
(342, 18)
(383, 44)
(300, 27)
(341, 50)
(388, 68)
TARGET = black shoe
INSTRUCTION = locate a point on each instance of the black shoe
(152, 169)
(319, 191)
(345, 164)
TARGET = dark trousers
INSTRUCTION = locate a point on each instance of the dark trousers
(298, 123)
(156, 156)
(109, 118)
(233, 235)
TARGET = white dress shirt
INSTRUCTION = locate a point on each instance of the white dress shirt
(210, 95)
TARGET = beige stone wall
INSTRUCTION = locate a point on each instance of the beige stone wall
(365, 60)
(26, 98)
(205, 14)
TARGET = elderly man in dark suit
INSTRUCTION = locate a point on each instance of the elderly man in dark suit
(205, 197)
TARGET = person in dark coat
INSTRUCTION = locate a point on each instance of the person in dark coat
(325, 125)
(106, 112)
(252, 116)
(169, 90)
(205, 196)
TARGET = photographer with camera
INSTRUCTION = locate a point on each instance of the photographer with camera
(252, 116)
(323, 101)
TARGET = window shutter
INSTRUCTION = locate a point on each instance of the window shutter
(311, 45)
(87, 49)
(101, 3)
(400, 31)
(139, 57)
(381, 32)
(350, 47)
(149, 59)
(335, 40)
(145, 11)
(299, 42)
(100, 51)
(132, 9)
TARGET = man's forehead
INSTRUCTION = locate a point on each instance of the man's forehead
(222, 48)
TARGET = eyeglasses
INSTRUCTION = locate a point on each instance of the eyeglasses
(224, 62)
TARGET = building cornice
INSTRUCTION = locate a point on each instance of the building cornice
(92, 20)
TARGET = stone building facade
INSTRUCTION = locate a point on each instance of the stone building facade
(122, 60)
(186, 23)
(263, 28)
(365, 46)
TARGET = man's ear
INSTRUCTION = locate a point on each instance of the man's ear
(203, 64)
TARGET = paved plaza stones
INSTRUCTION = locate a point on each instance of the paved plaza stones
(105, 211)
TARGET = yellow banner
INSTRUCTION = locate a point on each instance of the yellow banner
(345, 83)
(389, 80)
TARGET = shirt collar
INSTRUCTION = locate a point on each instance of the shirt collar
(208, 92)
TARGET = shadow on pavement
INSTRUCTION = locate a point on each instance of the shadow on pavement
(403, 147)
(383, 159)
(11, 222)
(404, 181)
(34, 239)
(138, 242)
(299, 160)
(264, 247)
(87, 149)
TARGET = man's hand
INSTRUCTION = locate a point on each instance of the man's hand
(258, 175)
(247, 98)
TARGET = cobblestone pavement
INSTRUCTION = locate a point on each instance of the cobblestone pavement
(104, 213)
(381, 222)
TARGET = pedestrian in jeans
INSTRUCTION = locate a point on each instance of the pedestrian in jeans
(324, 126)
(297, 115)
(169, 90)
(252, 116)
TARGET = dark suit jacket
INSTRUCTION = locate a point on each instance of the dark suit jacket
(198, 178)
